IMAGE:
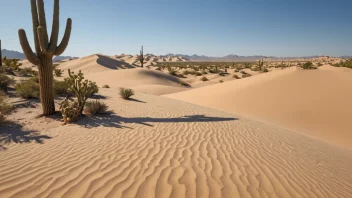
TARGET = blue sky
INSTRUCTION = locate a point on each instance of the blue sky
(215, 28)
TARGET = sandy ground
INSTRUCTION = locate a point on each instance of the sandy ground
(313, 102)
(158, 147)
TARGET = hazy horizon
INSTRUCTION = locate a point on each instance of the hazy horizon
(276, 28)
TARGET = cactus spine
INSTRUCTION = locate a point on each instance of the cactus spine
(45, 50)
(141, 57)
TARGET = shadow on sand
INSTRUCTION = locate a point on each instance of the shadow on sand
(112, 63)
(15, 133)
(117, 121)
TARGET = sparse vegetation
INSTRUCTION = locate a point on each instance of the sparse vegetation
(204, 79)
(126, 93)
(81, 88)
(61, 88)
(95, 107)
(347, 63)
(5, 81)
(106, 86)
(28, 89)
(71, 111)
(5, 107)
(246, 75)
(58, 72)
(236, 76)
(221, 81)
(185, 84)
(308, 65)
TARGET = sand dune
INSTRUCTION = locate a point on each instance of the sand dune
(313, 102)
(159, 147)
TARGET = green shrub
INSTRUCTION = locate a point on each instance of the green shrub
(58, 72)
(25, 72)
(308, 65)
(95, 107)
(204, 72)
(204, 79)
(71, 111)
(106, 86)
(126, 93)
(61, 88)
(28, 89)
(186, 72)
(347, 63)
(5, 108)
(5, 81)
(81, 88)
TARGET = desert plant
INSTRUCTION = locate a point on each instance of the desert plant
(25, 72)
(141, 57)
(126, 93)
(185, 84)
(308, 65)
(204, 79)
(347, 63)
(236, 77)
(12, 64)
(106, 86)
(61, 88)
(0, 54)
(95, 107)
(58, 72)
(261, 64)
(28, 89)
(5, 107)
(5, 81)
(198, 74)
(71, 111)
(172, 71)
(265, 70)
(221, 81)
(186, 72)
(81, 88)
(45, 50)
(204, 72)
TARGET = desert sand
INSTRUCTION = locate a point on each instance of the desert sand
(314, 102)
(277, 134)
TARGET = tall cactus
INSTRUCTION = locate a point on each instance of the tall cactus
(261, 64)
(45, 50)
(0, 55)
(141, 57)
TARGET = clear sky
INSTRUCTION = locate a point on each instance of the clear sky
(204, 27)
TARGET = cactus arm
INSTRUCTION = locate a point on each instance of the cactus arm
(42, 20)
(41, 35)
(27, 48)
(35, 26)
(55, 28)
(61, 48)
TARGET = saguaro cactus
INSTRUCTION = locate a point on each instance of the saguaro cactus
(261, 64)
(45, 50)
(141, 57)
(0, 55)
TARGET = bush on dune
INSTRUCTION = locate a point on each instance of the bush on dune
(5, 81)
(95, 107)
(28, 89)
(126, 93)
(5, 107)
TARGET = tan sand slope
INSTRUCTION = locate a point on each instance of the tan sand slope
(315, 102)
(158, 147)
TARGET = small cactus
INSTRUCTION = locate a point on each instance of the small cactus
(70, 111)
(81, 88)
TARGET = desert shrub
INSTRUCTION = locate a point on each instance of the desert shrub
(106, 86)
(246, 75)
(35, 79)
(81, 88)
(247, 65)
(71, 111)
(308, 65)
(198, 74)
(58, 72)
(236, 70)
(186, 72)
(265, 70)
(12, 64)
(25, 72)
(243, 72)
(204, 72)
(5, 81)
(5, 108)
(235, 76)
(185, 84)
(320, 64)
(204, 79)
(221, 81)
(172, 71)
(126, 93)
(28, 89)
(255, 69)
(95, 107)
(347, 63)
(61, 88)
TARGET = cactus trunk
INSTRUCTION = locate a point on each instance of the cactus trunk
(46, 86)
(0, 55)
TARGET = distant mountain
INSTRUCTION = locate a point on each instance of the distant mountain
(19, 55)
(234, 57)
